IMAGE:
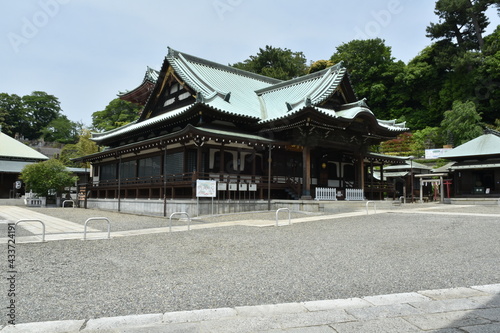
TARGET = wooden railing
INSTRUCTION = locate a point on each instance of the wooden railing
(291, 184)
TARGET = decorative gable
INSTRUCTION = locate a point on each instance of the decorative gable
(173, 94)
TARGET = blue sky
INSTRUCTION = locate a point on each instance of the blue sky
(85, 51)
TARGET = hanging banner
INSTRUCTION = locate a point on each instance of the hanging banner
(206, 188)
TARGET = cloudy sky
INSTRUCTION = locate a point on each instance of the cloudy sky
(85, 51)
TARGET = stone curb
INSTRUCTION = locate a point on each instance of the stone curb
(466, 308)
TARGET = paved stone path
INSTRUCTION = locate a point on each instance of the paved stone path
(473, 310)
(58, 229)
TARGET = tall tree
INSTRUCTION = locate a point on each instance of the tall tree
(372, 70)
(29, 114)
(486, 81)
(61, 130)
(417, 92)
(83, 147)
(40, 109)
(462, 123)
(117, 113)
(427, 138)
(12, 115)
(274, 62)
(463, 20)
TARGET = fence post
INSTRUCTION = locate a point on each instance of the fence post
(178, 213)
(277, 212)
(34, 220)
(96, 218)
(73, 203)
(374, 206)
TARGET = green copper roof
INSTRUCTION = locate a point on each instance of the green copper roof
(284, 98)
(247, 94)
(221, 87)
(483, 146)
(11, 148)
(255, 97)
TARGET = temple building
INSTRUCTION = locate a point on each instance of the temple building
(14, 156)
(476, 168)
(258, 137)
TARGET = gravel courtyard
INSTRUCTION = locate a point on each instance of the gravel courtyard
(397, 251)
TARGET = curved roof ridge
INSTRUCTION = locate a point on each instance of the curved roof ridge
(188, 74)
(151, 74)
(300, 79)
(229, 69)
(326, 85)
(130, 127)
(111, 131)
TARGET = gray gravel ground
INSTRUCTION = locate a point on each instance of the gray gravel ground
(19, 231)
(339, 258)
(121, 221)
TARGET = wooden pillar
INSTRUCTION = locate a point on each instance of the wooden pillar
(222, 170)
(254, 168)
(382, 180)
(184, 159)
(371, 180)
(442, 189)
(306, 173)
(362, 172)
(199, 161)
(269, 162)
(164, 173)
(119, 181)
(342, 180)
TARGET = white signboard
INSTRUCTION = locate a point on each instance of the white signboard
(222, 186)
(435, 153)
(252, 187)
(206, 188)
(233, 187)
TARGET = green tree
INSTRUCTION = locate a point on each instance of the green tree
(462, 123)
(320, 65)
(12, 116)
(418, 86)
(461, 20)
(61, 130)
(427, 138)
(117, 113)
(40, 109)
(372, 71)
(83, 147)
(44, 177)
(274, 62)
(485, 84)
